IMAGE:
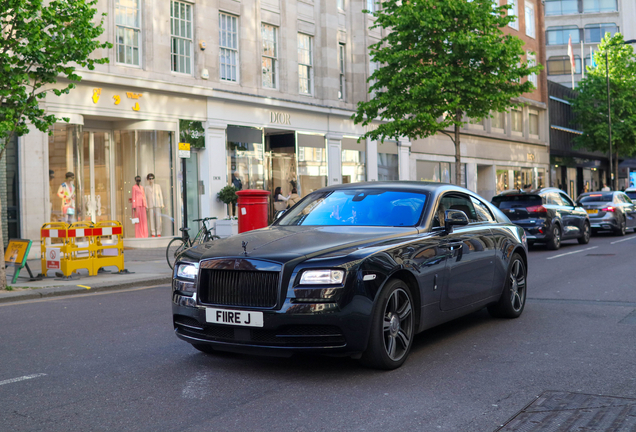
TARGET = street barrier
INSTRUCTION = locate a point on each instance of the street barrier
(81, 245)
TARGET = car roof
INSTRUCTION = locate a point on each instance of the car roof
(406, 186)
(531, 192)
(630, 189)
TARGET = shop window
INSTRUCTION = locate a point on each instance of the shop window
(245, 157)
(561, 65)
(561, 35)
(388, 167)
(9, 192)
(228, 47)
(519, 179)
(561, 7)
(591, 6)
(181, 36)
(594, 33)
(305, 64)
(312, 168)
(269, 35)
(128, 31)
(530, 21)
(514, 12)
(440, 172)
(353, 166)
(341, 67)
(149, 155)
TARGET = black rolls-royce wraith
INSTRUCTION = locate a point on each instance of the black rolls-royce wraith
(356, 269)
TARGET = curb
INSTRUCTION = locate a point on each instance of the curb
(40, 293)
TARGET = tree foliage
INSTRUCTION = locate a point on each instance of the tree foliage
(590, 107)
(41, 42)
(443, 62)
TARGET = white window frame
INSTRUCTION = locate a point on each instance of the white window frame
(341, 5)
(229, 48)
(514, 11)
(273, 58)
(531, 24)
(342, 83)
(127, 27)
(187, 42)
(532, 61)
(308, 66)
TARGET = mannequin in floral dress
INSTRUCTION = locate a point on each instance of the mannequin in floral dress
(139, 206)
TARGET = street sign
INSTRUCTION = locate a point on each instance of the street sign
(53, 256)
(16, 256)
(184, 150)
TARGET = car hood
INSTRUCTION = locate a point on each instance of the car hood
(286, 243)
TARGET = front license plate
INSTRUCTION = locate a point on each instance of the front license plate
(590, 211)
(234, 317)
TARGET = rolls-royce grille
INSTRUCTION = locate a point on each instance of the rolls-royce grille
(239, 288)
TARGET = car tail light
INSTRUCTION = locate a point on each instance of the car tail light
(608, 209)
(537, 209)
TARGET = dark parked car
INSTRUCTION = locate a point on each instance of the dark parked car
(609, 211)
(548, 215)
(354, 270)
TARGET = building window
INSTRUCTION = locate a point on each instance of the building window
(532, 61)
(561, 35)
(128, 23)
(228, 47)
(516, 117)
(270, 55)
(594, 33)
(388, 167)
(305, 64)
(371, 6)
(530, 22)
(514, 12)
(181, 31)
(353, 166)
(533, 124)
(498, 120)
(341, 4)
(341, 67)
(599, 6)
(561, 65)
(561, 7)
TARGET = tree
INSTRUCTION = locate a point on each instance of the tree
(41, 42)
(590, 107)
(444, 62)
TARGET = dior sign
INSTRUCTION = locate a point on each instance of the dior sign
(280, 118)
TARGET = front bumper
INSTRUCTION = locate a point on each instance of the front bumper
(296, 327)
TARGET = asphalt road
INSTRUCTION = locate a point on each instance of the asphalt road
(110, 361)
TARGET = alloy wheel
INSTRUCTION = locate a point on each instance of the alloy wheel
(517, 285)
(397, 326)
(556, 233)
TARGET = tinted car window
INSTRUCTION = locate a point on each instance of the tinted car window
(566, 199)
(598, 197)
(482, 211)
(631, 195)
(516, 201)
(554, 199)
(357, 208)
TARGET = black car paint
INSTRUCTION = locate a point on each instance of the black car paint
(440, 268)
(569, 218)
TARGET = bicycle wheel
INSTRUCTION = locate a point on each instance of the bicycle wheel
(174, 248)
(209, 237)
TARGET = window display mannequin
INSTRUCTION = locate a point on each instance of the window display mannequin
(139, 205)
(155, 205)
(66, 191)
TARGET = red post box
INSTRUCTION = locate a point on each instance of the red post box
(252, 208)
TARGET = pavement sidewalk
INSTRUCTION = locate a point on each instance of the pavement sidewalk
(148, 267)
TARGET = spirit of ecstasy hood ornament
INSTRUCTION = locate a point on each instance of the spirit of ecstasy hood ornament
(244, 245)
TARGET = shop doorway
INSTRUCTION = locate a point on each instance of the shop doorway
(192, 190)
(94, 185)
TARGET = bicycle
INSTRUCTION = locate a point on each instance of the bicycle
(179, 244)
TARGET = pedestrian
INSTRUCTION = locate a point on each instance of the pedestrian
(293, 198)
(605, 188)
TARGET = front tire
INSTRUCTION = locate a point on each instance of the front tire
(174, 248)
(513, 297)
(555, 241)
(392, 327)
(585, 238)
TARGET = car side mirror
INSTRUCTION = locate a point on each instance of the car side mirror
(454, 218)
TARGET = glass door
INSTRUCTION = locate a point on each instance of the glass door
(192, 190)
(94, 188)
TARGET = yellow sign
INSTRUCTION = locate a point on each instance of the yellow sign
(117, 99)
(16, 252)
(132, 95)
(184, 150)
(184, 146)
(96, 93)
(136, 106)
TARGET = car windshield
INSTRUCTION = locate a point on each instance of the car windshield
(357, 207)
(516, 201)
(597, 197)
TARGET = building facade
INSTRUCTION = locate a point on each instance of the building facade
(586, 22)
(273, 83)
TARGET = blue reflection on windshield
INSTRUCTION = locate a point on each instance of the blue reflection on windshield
(357, 208)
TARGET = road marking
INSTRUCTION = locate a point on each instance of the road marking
(22, 378)
(618, 241)
(84, 286)
(575, 252)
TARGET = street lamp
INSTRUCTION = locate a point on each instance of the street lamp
(609, 117)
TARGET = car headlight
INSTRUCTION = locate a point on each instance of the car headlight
(322, 277)
(188, 271)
